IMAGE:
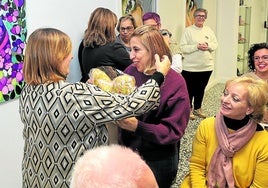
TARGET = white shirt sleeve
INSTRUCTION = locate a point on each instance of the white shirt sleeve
(177, 63)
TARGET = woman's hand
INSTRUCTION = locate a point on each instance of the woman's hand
(162, 66)
(90, 81)
(202, 46)
(129, 124)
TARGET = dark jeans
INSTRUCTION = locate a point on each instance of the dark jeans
(165, 171)
(196, 84)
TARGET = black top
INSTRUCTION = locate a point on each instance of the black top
(237, 124)
(80, 50)
(113, 54)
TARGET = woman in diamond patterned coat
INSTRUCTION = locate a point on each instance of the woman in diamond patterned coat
(62, 120)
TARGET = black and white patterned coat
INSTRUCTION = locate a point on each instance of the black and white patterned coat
(62, 120)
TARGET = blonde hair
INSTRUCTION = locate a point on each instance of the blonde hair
(154, 42)
(257, 91)
(46, 49)
(101, 28)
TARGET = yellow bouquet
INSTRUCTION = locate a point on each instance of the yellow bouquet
(112, 80)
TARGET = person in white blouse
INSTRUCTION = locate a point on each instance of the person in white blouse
(198, 42)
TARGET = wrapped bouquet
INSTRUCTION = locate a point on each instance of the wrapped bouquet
(112, 80)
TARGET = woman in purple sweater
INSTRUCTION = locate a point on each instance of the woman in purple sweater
(156, 135)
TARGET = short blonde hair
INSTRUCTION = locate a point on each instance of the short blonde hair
(46, 49)
(257, 91)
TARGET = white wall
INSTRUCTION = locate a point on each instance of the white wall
(227, 28)
(258, 16)
(11, 146)
(69, 16)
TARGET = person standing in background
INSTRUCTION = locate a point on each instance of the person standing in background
(62, 120)
(100, 48)
(125, 28)
(103, 50)
(198, 42)
(156, 135)
(152, 19)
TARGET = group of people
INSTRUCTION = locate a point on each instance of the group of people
(154, 135)
(63, 120)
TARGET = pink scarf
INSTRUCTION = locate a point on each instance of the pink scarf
(220, 172)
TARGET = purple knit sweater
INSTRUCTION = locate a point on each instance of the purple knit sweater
(160, 130)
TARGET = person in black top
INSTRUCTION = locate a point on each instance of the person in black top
(100, 48)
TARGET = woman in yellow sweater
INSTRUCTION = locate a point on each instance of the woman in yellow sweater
(231, 149)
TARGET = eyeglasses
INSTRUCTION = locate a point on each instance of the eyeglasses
(130, 28)
(201, 16)
(257, 58)
(166, 33)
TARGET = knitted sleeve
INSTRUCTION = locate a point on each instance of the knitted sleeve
(202, 150)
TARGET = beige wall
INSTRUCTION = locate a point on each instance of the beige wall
(258, 16)
(227, 28)
(172, 16)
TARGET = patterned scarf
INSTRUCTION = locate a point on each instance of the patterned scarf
(220, 172)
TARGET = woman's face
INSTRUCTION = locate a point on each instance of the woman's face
(234, 102)
(261, 63)
(65, 66)
(199, 19)
(139, 55)
(152, 22)
(126, 29)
